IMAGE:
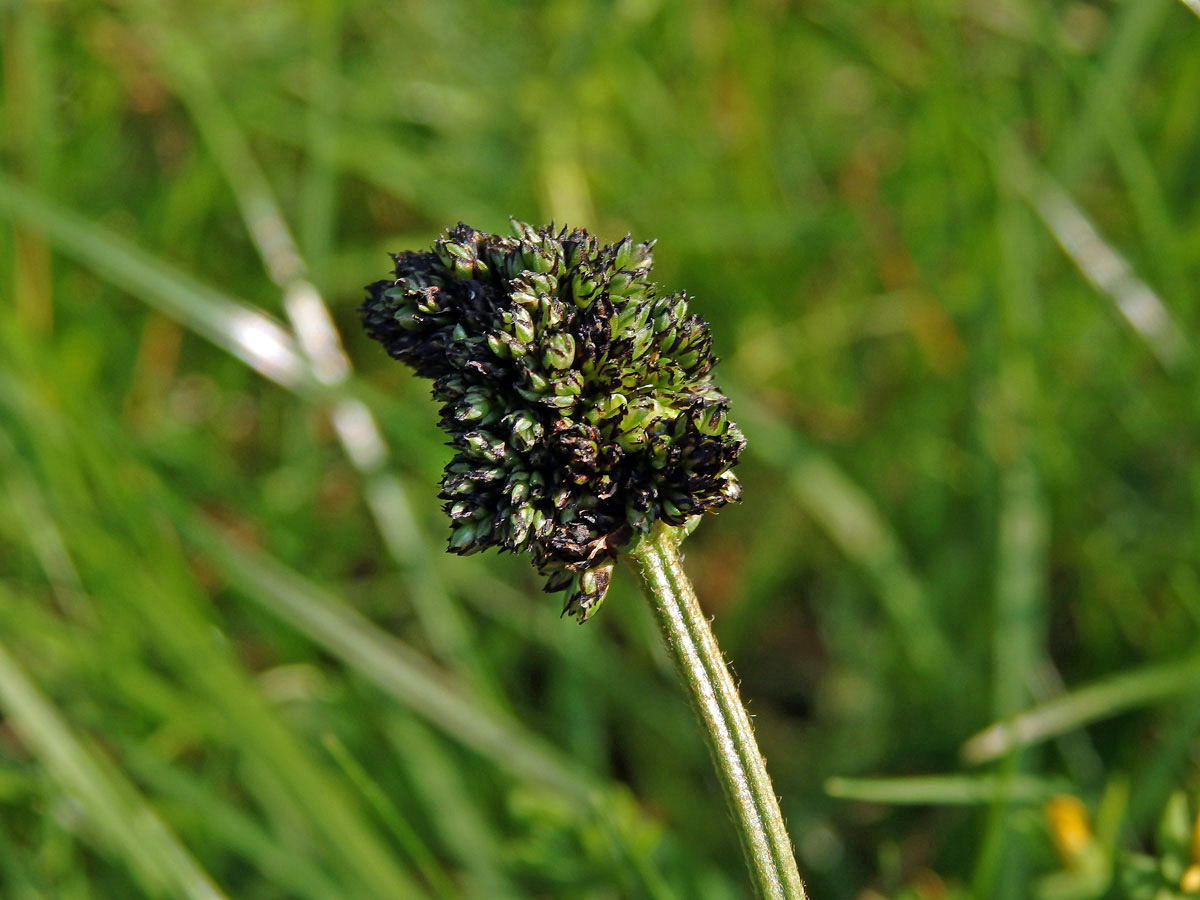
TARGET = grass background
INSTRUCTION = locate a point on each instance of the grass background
(949, 253)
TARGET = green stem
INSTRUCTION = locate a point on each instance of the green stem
(726, 725)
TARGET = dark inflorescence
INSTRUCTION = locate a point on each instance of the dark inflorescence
(579, 400)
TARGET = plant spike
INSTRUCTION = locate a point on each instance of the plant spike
(578, 400)
(585, 420)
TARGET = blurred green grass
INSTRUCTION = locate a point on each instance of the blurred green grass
(950, 254)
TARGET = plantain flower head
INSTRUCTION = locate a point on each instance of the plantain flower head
(578, 399)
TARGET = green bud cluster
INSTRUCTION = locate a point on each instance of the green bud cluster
(1172, 872)
(578, 400)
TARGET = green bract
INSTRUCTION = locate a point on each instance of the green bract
(579, 400)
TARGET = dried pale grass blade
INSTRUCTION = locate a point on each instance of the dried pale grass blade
(1110, 273)
(252, 336)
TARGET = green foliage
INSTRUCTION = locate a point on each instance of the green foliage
(948, 254)
(1173, 872)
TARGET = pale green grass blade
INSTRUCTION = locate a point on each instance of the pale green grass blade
(121, 818)
(461, 825)
(1111, 275)
(283, 867)
(1020, 585)
(1023, 527)
(1081, 758)
(37, 526)
(416, 848)
(1108, 697)
(1096, 259)
(947, 790)
(1018, 618)
(173, 614)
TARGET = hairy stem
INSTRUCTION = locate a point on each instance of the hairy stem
(723, 718)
